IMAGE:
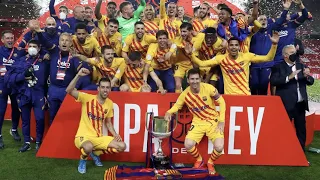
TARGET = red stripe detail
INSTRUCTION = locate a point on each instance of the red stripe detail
(128, 77)
(238, 65)
(195, 102)
(133, 83)
(93, 115)
(232, 78)
(189, 105)
(98, 118)
(136, 75)
(201, 105)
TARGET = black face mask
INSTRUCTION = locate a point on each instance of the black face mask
(293, 57)
(51, 30)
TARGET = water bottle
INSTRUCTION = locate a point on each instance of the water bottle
(315, 150)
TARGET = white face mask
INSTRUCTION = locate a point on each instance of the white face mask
(62, 15)
(32, 51)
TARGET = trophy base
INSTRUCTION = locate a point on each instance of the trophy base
(160, 162)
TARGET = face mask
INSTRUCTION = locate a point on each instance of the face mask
(293, 57)
(51, 30)
(32, 51)
(63, 16)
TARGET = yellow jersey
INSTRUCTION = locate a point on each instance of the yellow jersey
(199, 25)
(103, 22)
(153, 56)
(93, 115)
(172, 26)
(131, 43)
(116, 69)
(151, 27)
(201, 49)
(200, 105)
(236, 71)
(245, 45)
(90, 48)
(115, 41)
(180, 56)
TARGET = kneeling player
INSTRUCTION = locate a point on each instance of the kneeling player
(96, 110)
(206, 120)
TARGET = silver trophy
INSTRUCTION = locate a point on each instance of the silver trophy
(160, 128)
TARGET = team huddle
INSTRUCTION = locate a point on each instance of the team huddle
(139, 51)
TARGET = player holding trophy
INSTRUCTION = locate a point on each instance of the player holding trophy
(206, 120)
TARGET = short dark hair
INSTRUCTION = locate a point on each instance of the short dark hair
(81, 26)
(193, 71)
(162, 32)
(124, 4)
(233, 39)
(113, 21)
(112, 3)
(135, 56)
(104, 79)
(65, 7)
(5, 32)
(33, 41)
(222, 5)
(103, 48)
(241, 13)
(138, 22)
(210, 30)
(196, 9)
(186, 25)
(88, 7)
(227, 9)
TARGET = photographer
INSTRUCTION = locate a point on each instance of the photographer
(28, 79)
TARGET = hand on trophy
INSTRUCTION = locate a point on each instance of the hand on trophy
(220, 127)
(117, 137)
(167, 116)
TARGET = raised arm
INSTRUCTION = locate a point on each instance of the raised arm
(270, 56)
(163, 13)
(140, 9)
(255, 11)
(52, 10)
(97, 12)
(71, 87)
(206, 63)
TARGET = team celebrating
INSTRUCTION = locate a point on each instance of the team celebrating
(141, 51)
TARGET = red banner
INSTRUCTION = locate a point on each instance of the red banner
(257, 130)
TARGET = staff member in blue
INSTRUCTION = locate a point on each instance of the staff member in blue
(28, 77)
(8, 55)
(63, 68)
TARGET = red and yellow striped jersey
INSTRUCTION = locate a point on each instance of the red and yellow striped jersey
(199, 25)
(155, 56)
(151, 27)
(93, 115)
(103, 22)
(131, 43)
(180, 55)
(202, 50)
(200, 105)
(115, 41)
(172, 26)
(236, 71)
(90, 48)
(116, 69)
(245, 45)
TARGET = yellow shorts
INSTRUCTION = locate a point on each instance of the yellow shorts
(198, 130)
(180, 70)
(100, 143)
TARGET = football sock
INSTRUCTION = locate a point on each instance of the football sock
(214, 156)
(195, 153)
(84, 155)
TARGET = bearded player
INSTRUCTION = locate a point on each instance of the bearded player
(198, 97)
(96, 110)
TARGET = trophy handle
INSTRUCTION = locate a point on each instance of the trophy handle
(148, 120)
(176, 122)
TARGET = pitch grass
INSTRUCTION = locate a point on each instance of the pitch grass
(314, 91)
(25, 166)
